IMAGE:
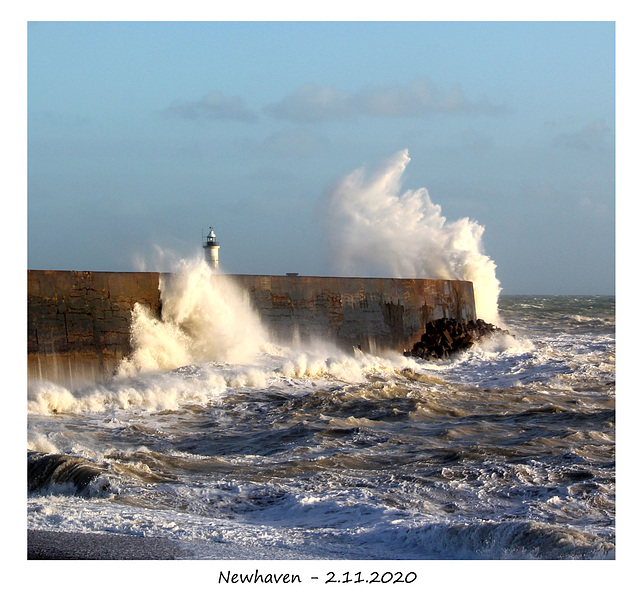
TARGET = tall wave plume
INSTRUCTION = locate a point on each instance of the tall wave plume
(205, 317)
(376, 230)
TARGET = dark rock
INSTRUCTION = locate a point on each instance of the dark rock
(444, 337)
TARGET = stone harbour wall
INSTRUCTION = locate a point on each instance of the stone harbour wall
(369, 313)
(79, 321)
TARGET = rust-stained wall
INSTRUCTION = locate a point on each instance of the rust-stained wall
(79, 321)
(372, 313)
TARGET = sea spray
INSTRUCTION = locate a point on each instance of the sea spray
(207, 340)
(500, 452)
(376, 230)
(205, 317)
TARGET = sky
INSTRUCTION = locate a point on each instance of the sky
(142, 134)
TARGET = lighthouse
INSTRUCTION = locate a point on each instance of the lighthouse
(211, 248)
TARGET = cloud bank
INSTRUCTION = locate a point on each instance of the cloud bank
(312, 102)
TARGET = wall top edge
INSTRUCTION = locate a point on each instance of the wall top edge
(90, 271)
(252, 275)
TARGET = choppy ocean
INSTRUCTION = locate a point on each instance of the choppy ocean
(506, 451)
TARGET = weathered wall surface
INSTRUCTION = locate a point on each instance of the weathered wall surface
(370, 313)
(79, 321)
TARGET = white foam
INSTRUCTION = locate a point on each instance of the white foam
(204, 317)
(377, 230)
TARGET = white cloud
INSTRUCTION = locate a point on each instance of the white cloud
(312, 102)
(213, 106)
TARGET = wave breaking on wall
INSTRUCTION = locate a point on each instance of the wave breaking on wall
(377, 230)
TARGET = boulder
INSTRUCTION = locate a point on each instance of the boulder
(444, 337)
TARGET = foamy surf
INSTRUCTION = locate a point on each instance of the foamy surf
(214, 437)
(204, 317)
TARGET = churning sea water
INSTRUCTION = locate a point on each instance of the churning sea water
(237, 447)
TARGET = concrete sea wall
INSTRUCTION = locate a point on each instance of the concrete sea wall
(370, 313)
(79, 321)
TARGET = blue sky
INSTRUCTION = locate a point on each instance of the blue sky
(141, 134)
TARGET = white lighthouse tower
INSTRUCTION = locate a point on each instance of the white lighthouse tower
(211, 248)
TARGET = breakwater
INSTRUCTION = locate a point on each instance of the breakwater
(79, 321)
